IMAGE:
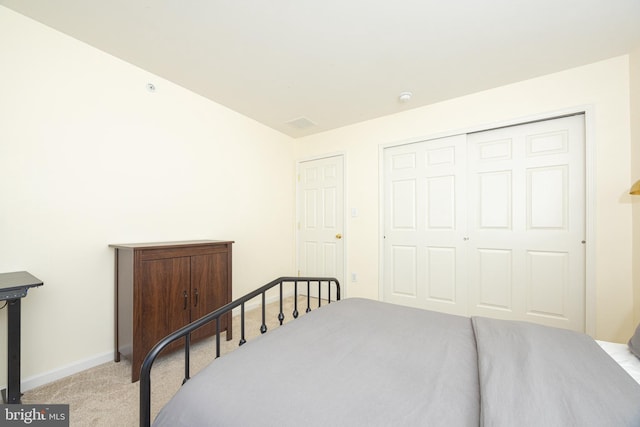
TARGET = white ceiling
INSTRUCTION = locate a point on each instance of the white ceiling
(337, 62)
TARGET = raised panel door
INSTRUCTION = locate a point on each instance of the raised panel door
(527, 222)
(425, 222)
(321, 217)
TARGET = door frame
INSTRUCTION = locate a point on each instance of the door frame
(345, 234)
(590, 194)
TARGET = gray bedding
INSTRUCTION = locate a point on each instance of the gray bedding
(532, 375)
(366, 363)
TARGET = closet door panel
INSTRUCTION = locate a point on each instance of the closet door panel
(424, 225)
(530, 203)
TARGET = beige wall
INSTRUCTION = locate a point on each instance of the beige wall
(89, 157)
(603, 87)
(634, 73)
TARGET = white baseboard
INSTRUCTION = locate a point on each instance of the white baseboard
(74, 368)
(64, 371)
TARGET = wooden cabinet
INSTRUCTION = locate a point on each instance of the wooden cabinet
(161, 287)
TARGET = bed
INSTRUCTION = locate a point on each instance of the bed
(358, 362)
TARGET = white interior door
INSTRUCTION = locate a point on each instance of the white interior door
(320, 200)
(527, 222)
(490, 223)
(425, 225)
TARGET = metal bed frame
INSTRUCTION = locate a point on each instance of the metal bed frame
(214, 316)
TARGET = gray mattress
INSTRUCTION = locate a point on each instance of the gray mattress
(366, 363)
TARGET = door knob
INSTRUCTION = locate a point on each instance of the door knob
(338, 236)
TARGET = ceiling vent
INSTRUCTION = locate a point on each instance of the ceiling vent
(301, 123)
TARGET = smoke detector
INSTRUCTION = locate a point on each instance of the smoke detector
(404, 97)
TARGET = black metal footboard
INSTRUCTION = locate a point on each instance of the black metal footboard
(214, 316)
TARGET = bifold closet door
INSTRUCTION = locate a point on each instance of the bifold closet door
(490, 223)
(527, 222)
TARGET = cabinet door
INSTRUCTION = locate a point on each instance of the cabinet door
(209, 278)
(165, 298)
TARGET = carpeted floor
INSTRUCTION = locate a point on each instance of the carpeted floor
(105, 397)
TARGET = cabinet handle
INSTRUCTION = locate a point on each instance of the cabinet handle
(184, 294)
(196, 303)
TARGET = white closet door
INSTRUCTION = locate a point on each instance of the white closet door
(425, 222)
(527, 222)
(490, 223)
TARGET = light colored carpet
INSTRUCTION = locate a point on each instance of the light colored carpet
(105, 397)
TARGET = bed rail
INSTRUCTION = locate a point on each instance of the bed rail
(214, 316)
